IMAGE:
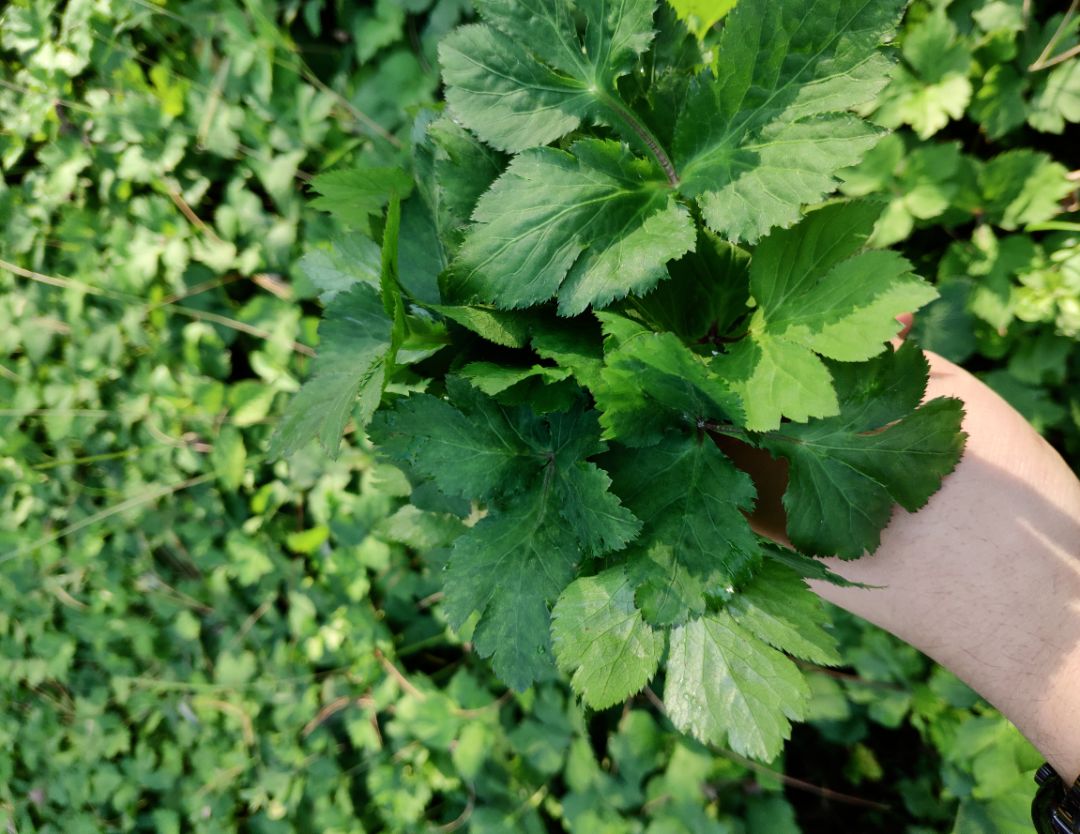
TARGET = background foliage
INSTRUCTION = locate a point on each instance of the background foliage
(194, 639)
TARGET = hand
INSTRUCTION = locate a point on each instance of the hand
(986, 578)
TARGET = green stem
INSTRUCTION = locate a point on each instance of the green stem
(1041, 61)
(647, 137)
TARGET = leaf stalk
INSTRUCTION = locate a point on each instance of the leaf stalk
(647, 137)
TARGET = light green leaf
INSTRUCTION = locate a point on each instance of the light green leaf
(350, 259)
(921, 183)
(1023, 186)
(817, 293)
(1056, 101)
(353, 195)
(725, 684)
(931, 86)
(778, 379)
(602, 641)
(701, 15)
(229, 457)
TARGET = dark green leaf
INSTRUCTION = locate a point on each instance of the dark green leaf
(588, 226)
(765, 130)
(354, 343)
(847, 472)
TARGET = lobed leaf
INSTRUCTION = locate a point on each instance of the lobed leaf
(587, 226)
(602, 641)
(765, 130)
(651, 383)
(507, 569)
(528, 76)
(691, 499)
(846, 472)
(817, 293)
(725, 685)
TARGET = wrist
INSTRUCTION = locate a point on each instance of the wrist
(986, 580)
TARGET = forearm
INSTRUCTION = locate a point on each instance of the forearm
(986, 578)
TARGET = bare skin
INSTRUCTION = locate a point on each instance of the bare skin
(986, 578)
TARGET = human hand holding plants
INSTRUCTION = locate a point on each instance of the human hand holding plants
(986, 578)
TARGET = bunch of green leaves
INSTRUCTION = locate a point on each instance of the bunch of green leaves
(192, 638)
(602, 265)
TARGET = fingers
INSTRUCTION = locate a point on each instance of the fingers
(907, 320)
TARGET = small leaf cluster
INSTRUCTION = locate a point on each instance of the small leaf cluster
(612, 258)
(1004, 65)
(1001, 184)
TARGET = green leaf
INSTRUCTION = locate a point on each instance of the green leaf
(652, 382)
(765, 130)
(777, 379)
(805, 566)
(1056, 100)
(1035, 403)
(921, 182)
(707, 292)
(473, 448)
(602, 641)
(493, 378)
(777, 606)
(817, 293)
(931, 86)
(701, 15)
(724, 683)
(508, 568)
(354, 344)
(576, 347)
(353, 195)
(229, 458)
(667, 593)
(530, 76)
(592, 512)
(548, 508)
(351, 258)
(846, 472)
(389, 286)
(691, 499)
(999, 104)
(770, 815)
(1023, 186)
(508, 328)
(588, 226)
(464, 170)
